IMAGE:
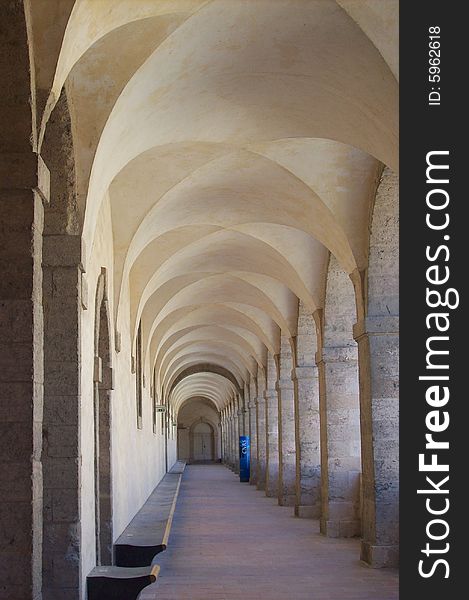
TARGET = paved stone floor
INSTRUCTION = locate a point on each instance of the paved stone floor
(229, 542)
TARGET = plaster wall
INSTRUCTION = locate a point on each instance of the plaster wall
(138, 456)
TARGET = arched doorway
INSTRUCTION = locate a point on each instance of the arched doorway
(102, 420)
(202, 442)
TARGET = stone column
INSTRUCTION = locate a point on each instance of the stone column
(253, 431)
(378, 355)
(62, 272)
(236, 420)
(247, 426)
(308, 500)
(227, 437)
(223, 440)
(226, 451)
(232, 436)
(229, 425)
(261, 431)
(226, 442)
(24, 182)
(64, 297)
(286, 427)
(306, 380)
(271, 401)
(340, 450)
(222, 430)
(241, 417)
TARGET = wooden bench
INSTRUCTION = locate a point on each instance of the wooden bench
(178, 468)
(145, 536)
(118, 583)
(148, 532)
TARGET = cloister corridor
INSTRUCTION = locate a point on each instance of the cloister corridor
(199, 243)
(229, 541)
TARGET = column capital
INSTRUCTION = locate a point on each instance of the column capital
(387, 325)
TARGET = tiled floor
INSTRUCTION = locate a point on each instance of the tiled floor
(229, 542)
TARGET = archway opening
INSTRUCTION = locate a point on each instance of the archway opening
(197, 427)
(202, 442)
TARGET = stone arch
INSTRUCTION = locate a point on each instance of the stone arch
(340, 409)
(211, 385)
(102, 419)
(205, 368)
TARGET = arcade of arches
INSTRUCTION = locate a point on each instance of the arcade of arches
(199, 240)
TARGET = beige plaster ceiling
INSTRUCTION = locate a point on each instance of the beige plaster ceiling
(239, 143)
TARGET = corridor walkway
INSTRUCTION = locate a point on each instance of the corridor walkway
(230, 542)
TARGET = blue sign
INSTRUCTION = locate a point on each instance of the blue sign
(244, 458)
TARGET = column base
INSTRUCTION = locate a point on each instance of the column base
(378, 557)
(261, 485)
(253, 480)
(287, 500)
(307, 512)
(340, 529)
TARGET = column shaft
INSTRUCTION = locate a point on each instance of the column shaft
(272, 466)
(232, 440)
(341, 452)
(236, 419)
(378, 352)
(253, 441)
(21, 375)
(261, 442)
(286, 443)
(62, 386)
(241, 418)
(223, 441)
(308, 500)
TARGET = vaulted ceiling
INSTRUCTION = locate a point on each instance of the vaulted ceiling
(238, 143)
